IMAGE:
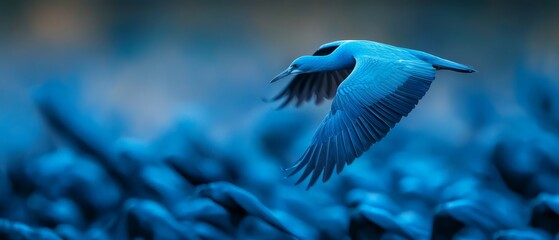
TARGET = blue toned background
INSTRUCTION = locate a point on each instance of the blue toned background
(128, 120)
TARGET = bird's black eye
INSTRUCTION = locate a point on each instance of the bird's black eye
(295, 66)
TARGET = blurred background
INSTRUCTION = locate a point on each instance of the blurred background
(115, 118)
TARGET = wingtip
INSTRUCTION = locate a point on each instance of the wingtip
(325, 178)
(468, 69)
(311, 183)
(300, 180)
(308, 187)
(290, 171)
(272, 100)
(287, 172)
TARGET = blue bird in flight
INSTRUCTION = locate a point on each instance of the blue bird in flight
(373, 85)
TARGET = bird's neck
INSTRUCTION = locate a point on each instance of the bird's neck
(333, 62)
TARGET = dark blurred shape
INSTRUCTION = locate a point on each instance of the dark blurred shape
(545, 213)
(537, 92)
(149, 220)
(524, 234)
(528, 163)
(299, 227)
(51, 213)
(366, 224)
(476, 108)
(369, 222)
(64, 174)
(359, 197)
(466, 215)
(331, 214)
(69, 232)
(203, 210)
(186, 148)
(240, 204)
(154, 178)
(58, 108)
(6, 192)
(278, 132)
(208, 231)
(200, 170)
(15, 230)
(164, 183)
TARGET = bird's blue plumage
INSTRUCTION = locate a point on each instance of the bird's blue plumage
(383, 84)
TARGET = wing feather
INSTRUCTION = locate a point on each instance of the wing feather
(312, 163)
(320, 85)
(331, 164)
(341, 154)
(372, 99)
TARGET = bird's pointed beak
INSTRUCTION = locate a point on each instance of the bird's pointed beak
(283, 74)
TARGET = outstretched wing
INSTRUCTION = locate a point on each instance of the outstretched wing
(321, 85)
(305, 86)
(368, 104)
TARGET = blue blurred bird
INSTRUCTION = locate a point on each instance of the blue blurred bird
(374, 85)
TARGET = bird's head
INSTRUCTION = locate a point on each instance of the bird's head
(304, 64)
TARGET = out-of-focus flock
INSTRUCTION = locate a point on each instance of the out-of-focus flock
(121, 121)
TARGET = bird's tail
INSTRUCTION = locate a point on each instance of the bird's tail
(441, 63)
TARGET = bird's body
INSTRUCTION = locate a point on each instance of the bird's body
(373, 86)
